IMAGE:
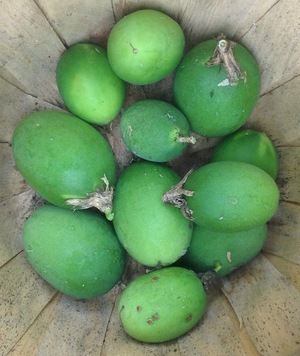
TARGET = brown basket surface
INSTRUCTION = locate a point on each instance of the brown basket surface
(256, 309)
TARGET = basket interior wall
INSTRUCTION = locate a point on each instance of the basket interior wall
(255, 310)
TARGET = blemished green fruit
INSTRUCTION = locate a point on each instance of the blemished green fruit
(231, 196)
(62, 157)
(249, 146)
(223, 252)
(153, 233)
(145, 46)
(87, 84)
(162, 305)
(155, 130)
(77, 253)
(217, 100)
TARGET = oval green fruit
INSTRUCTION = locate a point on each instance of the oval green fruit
(162, 305)
(155, 130)
(223, 252)
(88, 85)
(214, 103)
(145, 46)
(249, 146)
(231, 196)
(77, 252)
(153, 233)
(62, 157)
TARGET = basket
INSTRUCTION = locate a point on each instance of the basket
(255, 310)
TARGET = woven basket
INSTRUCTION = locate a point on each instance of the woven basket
(255, 310)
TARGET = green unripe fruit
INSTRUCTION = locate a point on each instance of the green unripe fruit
(223, 252)
(162, 305)
(216, 86)
(155, 130)
(62, 157)
(88, 85)
(77, 252)
(153, 233)
(231, 196)
(145, 46)
(249, 146)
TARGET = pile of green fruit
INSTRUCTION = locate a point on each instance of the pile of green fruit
(212, 219)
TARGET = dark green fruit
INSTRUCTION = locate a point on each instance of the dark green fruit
(153, 233)
(162, 305)
(62, 157)
(217, 98)
(155, 130)
(77, 252)
(145, 46)
(231, 196)
(87, 84)
(223, 252)
(249, 146)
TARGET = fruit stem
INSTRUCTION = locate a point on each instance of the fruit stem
(223, 54)
(183, 139)
(101, 200)
(174, 196)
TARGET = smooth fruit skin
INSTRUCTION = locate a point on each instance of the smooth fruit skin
(223, 251)
(88, 85)
(162, 305)
(213, 107)
(249, 146)
(145, 46)
(153, 233)
(77, 252)
(61, 157)
(231, 196)
(151, 130)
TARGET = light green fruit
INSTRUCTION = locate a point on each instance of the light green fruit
(88, 85)
(223, 252)
(231, 196)
(153, 233)
(249, 146)
(155, 130)
(145, 46)
(62, 157)
(162, 305)
(78, 252)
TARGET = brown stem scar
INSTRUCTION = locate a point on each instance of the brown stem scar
(100, 199)
(223, 55)
(175, 196)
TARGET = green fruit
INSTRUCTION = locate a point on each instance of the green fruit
(162, 305)
(215, 103)
(223, 251)
(231, 196)
(153, 233)
(87, 84)
(61, 156)
(249, 146)
(77, 252)
(155, 130)
(145, 46)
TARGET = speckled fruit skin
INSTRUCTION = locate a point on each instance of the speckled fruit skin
(162, 305)
(61, 156)
(231, 196)
(153, 233)
(145, 46)
(249, 146)
(77, 252)
(212, 108)
(221, 251)
(88, 85)
(151, 129)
